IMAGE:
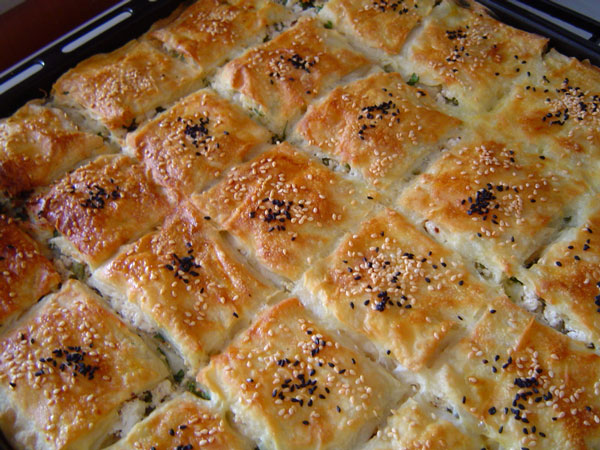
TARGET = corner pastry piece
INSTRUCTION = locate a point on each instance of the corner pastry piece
(567, 278)
(412, 427)
(294, 387)
(184, 423)
(120, 88)
(393, 284)
(560, 101)
(99, 207)
(377, 24)
(285, 207)
(65, 370)
(186, 281)
(278, 79)
(473, 57)
(380, 125)
(26, 274)
(528, 384)
(493, 201)
(188, 146)
(210, 31)
(39, 143)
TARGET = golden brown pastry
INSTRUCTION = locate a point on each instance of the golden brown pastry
(530, 386)
(285, 208)
(210, 31)
(567, 277)
(26, 274)
(66, 368)
(496, 202)
(379, 125)
(293, 386)
(120, 88)
(420, 178)
(99, 207)
(39, 143)
(473, 57)
(391, 283)
(279, 78)
(379, 24)
(561, 101)
(188, 282)
(186, 422)
(412, 428)
(189, 146)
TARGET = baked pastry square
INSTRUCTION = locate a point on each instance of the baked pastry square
(99, 207)
(567, 278)
(185, 422)
(285, 208)
(210, 31)
(66, 368)
(496, 202)
(560, 101)
(391, 283)
(119, 89)
(379, 125)
(472, 56)
(38, 143)
(278, 79)
(293, 386)
(189, 146)
(528, 384)
(186, 280)
(27, 274)
(412, 427)
(376, 24)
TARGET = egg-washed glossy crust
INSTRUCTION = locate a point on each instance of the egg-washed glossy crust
(559, 102)
(185, 422)
(567, 276)
(188, 146)
(39, 143)
(188, 281)
(527, 383)
(471, 55)
(294, 386)
(208, 32)
(101, 206)
(379, 24)
(66, 367)
(499, 199)
(393, 284)
(27, 274)
(285, 207)
(417, 179)
(118, 89)
(282, 76)
(379, 125)
(411, 427)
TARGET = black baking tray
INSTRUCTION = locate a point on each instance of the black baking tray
(513, 13)
(129, 20)
(141, 14)
(134, 17)
(3, 444)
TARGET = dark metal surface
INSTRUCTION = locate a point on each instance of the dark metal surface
(562, 40)
(561, 12)
(3, 444)
(31, 25)
(55, 62)
(145, 12)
